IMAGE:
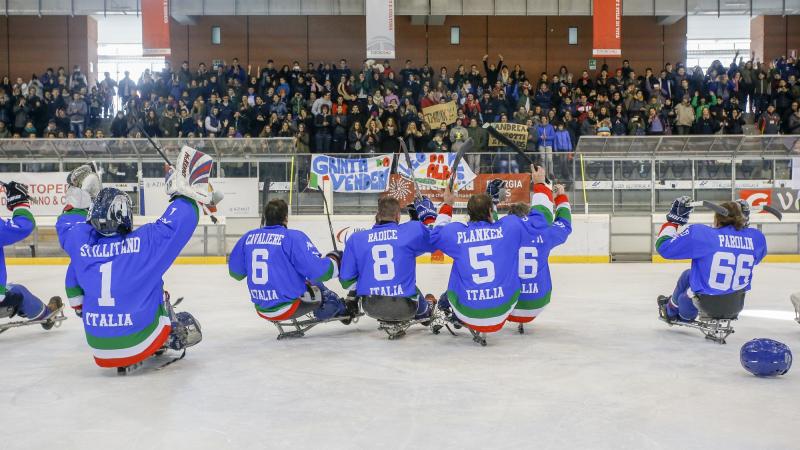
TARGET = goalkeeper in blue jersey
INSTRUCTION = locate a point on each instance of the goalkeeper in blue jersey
(723, 256)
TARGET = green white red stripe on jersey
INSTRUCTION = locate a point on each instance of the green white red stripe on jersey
(563, 208)
(486, 320)
(23, 211)
(668, 231)
(542, 201)
(130, 349)
(281, 311)
(75, 296)
(527, 310)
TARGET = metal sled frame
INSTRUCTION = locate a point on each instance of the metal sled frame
(715, 329)
(401, 317)
(398, 329)
(57, 317)
(304, 323)
(445, 320)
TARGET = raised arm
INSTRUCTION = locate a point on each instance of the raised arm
(22, 222)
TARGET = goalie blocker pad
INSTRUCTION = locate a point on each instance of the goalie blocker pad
(190, 176)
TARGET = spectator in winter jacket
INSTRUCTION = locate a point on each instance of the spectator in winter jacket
(684, 116)
(793, 125)
(705, 124)
(77, 110)
(733, 122)
(770, 121)
(547, 136)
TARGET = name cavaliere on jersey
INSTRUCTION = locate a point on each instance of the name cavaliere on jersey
(123, 247)
(479, 234)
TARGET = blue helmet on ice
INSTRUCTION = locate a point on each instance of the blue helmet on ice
(111, 213)
(766, 357)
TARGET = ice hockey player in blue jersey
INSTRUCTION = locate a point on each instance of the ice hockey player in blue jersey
(15, 299)
(723, 256)
(285, 271)
(380, 263)
(534, 267)
(484, 282)
(114, 280)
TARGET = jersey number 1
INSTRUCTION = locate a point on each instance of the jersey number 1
(105, 285)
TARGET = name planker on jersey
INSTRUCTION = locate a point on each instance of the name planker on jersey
(479, 234)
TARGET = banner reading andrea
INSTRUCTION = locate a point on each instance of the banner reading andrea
(607, 29)
(155, 28)
(351, 175)
(443, 112)
(518, 133)
(434, 169)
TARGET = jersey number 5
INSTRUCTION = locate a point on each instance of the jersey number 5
(482, 265)
(735, 272)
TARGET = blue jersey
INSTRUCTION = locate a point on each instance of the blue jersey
(484, 281)
(277, 262)
(13, 230)
(534, 268)
(722, 258)
(120, 280)
(383, 259)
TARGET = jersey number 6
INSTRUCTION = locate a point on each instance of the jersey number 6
(258, 264)
(735, 271)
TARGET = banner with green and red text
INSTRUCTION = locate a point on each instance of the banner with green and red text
(607, 29)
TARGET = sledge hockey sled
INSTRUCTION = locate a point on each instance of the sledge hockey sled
(186, 332)
(796, 303)
(303, 320)
(448, 318)
(55, 318)
(395, 315)
(715, 314)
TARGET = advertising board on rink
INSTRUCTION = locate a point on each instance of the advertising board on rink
(435, 169)
(241, 197)
(48, 190)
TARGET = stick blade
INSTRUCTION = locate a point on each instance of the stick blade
(773, 210)
(465, 147)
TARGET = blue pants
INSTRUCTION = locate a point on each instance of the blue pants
(423, 308)
(680, 304)
(28, 305)
(332, 305)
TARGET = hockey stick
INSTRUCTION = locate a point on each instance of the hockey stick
(767, 208)
(328, 215)
(167, 161)
(709, 205)
(265, 199)
(417, 193)
(509, 143)
(465, 147)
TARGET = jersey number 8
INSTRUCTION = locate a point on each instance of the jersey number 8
(383, 263)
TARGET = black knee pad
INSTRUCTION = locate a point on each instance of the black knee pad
(10, 304)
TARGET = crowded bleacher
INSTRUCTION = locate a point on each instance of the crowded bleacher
(333, 108)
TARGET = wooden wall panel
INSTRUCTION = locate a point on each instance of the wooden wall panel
(560, 52)
(411, 42)
(675, 42)
(282, 39)
(521, 40)
(768, 37)
(37, 43)
(331, 38)
(179, 43)
(4, 62)
(232, 45)
(473, 45)
(793, 35)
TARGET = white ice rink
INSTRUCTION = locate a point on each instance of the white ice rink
(596, 370)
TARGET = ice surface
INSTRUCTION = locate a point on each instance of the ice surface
(596, 370)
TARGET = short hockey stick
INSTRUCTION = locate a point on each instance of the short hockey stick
(328, 215)
(417, 193)
(465, 147)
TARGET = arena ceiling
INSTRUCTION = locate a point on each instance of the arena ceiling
(188, 8)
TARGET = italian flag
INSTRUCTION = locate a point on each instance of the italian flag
(527, 310)
(542, 201)
(127, 350)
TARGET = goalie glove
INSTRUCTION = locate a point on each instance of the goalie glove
(190, 176)
(496, 189)
(84, 185)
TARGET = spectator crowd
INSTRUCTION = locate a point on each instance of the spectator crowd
(331, 108)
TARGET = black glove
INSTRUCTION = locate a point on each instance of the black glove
(412, 212)
(680, 211)
(496, 189)
(336, 256)
(16, 195)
